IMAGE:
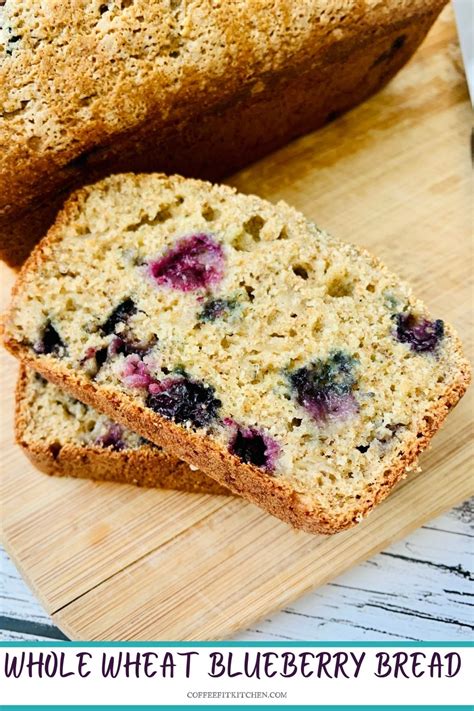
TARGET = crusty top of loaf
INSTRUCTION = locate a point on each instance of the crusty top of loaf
(75, 72)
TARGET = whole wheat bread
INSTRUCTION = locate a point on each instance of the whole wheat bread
(291, 367)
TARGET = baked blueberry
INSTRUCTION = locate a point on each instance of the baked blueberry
(127, 346)
(253, 446)
(94, 359)
(120, 314)
(195, 262)
(324, 387)
(216, 308)
(421, 334)
(50, 342)
(112, 438)
(135, 373)
(184, 400)
(100, 357)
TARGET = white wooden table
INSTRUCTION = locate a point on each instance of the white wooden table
(419, 589)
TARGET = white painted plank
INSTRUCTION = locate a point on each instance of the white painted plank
(6, 636)
(420, 588)
(16, 599)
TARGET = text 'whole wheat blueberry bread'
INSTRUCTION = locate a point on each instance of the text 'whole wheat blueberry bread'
(64, 437)
(289, 366)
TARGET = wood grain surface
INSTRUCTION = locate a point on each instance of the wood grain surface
(419, 588)
(115, 562)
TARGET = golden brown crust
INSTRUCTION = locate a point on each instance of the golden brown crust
(242, 121)
(146, 466)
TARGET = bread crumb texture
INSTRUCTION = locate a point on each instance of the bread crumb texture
(294, 354)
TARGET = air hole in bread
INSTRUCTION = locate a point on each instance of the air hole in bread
(55, 449)
(209, 213)
(250, 291)
(161, 216)
(340, 287)
(87, 100)
(34, 142)
(300, 271)
(254, 226)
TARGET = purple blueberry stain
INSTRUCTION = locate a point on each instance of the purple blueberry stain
(101, 356)
(135, 373)
(324, 388)
(95, 358)
(214, 309)
(112, 438)
(117, 345)
(421, 334)
(182, 400)
(50, 342)
(195, 262)
(253, 446)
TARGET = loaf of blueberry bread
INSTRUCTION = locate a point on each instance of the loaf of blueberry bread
(91, 87)
(291, 367)
(64, 437)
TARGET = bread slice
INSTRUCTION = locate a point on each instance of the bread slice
(289, 366)
(63, 437)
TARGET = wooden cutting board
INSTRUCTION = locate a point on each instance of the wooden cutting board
(115, 562)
